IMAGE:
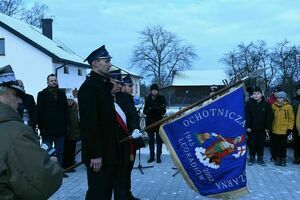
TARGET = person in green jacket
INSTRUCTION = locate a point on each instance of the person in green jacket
(26, 170)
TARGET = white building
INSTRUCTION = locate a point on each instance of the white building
(33, 55)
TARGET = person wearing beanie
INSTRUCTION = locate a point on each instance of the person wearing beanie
(283, 125)
(73, 134)
(272, 97)
(296, 131)
(155, 108)
(259, 118)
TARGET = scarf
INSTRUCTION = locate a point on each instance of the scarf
(121, 119)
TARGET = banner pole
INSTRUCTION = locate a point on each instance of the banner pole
(160, 122)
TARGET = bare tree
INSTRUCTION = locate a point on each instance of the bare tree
(286, 60)
(244, 60)
(11, 7)
(281, 64)
(34, 15)
(159, 53)
(231, 60)
(31, 16)
(249, 58)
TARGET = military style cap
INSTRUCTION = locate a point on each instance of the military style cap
(8, 79)
(116, 75)
(98, 53)
(127, 80)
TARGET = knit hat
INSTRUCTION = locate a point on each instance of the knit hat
(257, 89)
(281, 94)
(154, 87)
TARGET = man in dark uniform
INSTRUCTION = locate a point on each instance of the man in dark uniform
(53, 116)
(125, 101)
(155, 108)
(28, 103)
(98, 128)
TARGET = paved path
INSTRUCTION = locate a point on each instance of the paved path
(270, 182)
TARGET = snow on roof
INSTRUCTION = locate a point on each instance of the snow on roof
(198, 77)
(124, 71)
(53, 48)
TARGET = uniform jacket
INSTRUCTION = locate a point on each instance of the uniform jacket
(154, 108)
(53, 115)
(29, 104)
(126, 103)
(259, 116)
(98, 126)
(284, 118)
(26, 172)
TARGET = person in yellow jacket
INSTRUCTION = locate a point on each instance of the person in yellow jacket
(283, 125)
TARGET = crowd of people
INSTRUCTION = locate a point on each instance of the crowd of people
(104, 116)
(276, 119)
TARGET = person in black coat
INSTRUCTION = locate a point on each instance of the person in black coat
(259, 119)
(98, 128)
(155, 108)
(125, 101)
(53, 116)
(28, 103)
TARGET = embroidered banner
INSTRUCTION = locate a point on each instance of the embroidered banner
(208, 145)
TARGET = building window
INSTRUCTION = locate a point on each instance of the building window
(79, 72)
(2, 47)
(66, 70)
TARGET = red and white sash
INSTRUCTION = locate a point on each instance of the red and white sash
(121, 119)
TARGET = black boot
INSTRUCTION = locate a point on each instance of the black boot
(251, 160)
(151, 159)
(277, 161)
(131, 197)
(158, 160)
(282, 162)
(261, 161)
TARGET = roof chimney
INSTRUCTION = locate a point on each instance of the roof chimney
(47, 27)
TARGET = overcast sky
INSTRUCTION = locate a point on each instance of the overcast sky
(213, 27)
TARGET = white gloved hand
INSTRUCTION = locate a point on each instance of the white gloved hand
(214, 134)
(136, 134)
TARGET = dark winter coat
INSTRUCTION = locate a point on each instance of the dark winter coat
(53, 114)
(73, 130)
(98, 126)
(259, 116)
(126, 103)
(26, 172)
(29, 104)
(154, 108)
